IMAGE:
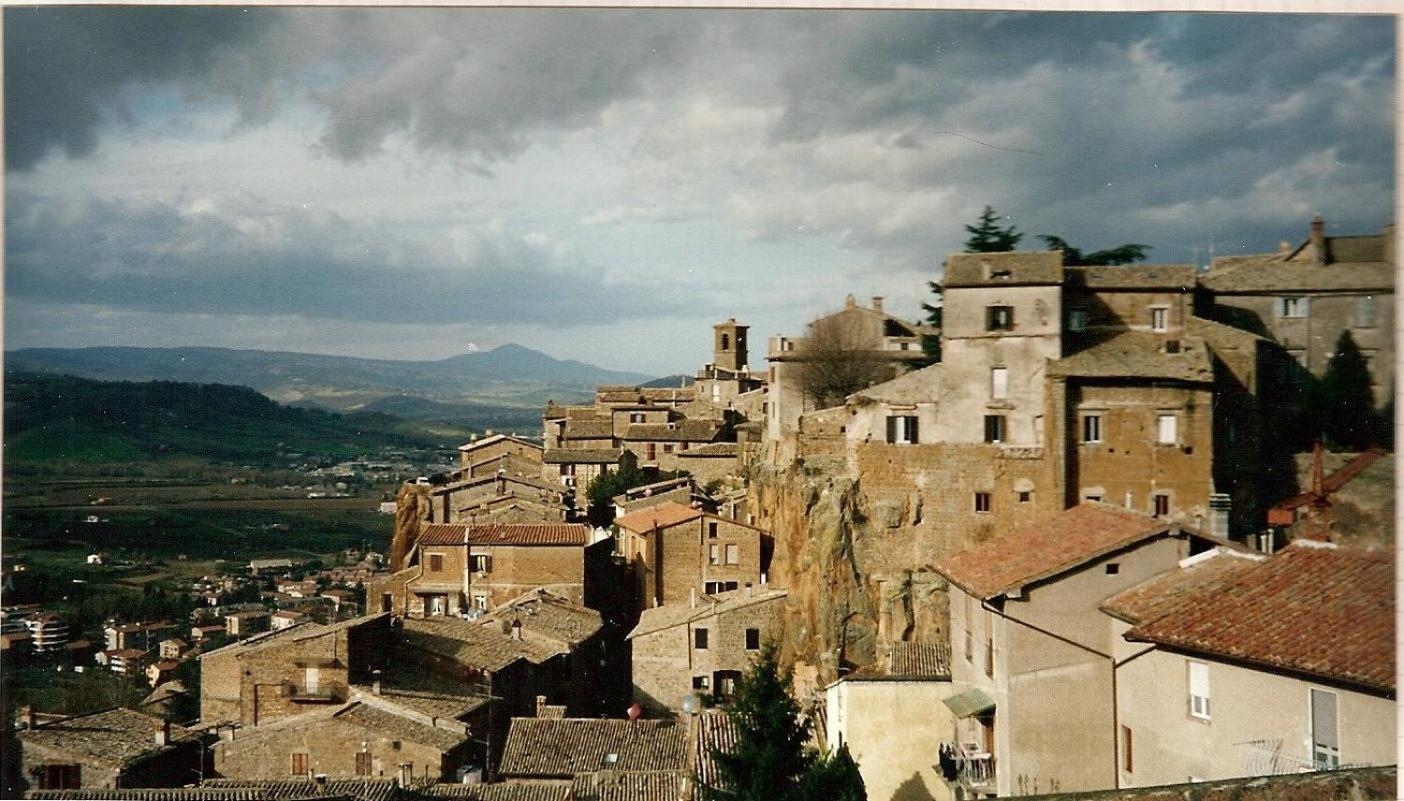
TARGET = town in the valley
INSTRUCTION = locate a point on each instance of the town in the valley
(1085, 528)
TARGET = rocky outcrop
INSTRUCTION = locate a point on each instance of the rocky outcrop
(411, 507)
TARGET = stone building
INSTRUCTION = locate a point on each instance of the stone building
(1304, 298)
(247, 623)
(540, 748)
(1236, 666)
(728, 375)
(891, 716)
(107, 750)
(284, 673)
(492, 497)
(575, 468)
(676, 553)
(1032, 659)
(702, 648)
(457, 567)
(495, 452)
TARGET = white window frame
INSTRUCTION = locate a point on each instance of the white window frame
(1167, 428)
(1366, 312)
(1323, 757)
(904, 429)
(1198, 702)
(999, 383)
(1160, 318)
(714, 554)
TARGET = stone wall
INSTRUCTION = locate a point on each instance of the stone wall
(331, 747)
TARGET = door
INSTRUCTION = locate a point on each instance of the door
(1325, 738)
(438, 605)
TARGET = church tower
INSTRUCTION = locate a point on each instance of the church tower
(729, 345)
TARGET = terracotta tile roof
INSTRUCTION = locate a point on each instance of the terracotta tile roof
(589, 429)
(662, 515)
(298, 789)
(1196, 575)
(681, 431)
(548, 615)
(503, 791)
(1047, 548)
(582, 455)
(711, 449)
(398, 727)
(525, 479)
(1025, 267)
(716, 731)
(669, 615)
(1270, 275)
(154, 794)
(647, 785)
(680, 495)
(1313, 608)
(115, 737)
(537, 748)
(471, 643)
(1135, 354)
(922, 660)
(505, 534)
(917, 386)
(1133, 276)
(422, 692)
(493, 440)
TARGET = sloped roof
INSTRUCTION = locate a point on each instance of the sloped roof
(1313, 608)
(716, 731)
(681, 431)
(1268, 275)
(549, 615)
(1136, 354)
(917, 386)
(711, 450)
(1133, 276)
(505, 534)
(909, 661)
(588, 429)
(503, 791)
(294, 633)
(644, 785)
(669, 615)
(114, 737)
(582, 455)
(1024, 267)
(400, 727)
(1196, 575)
(298, 789)
(1045, 549)
(493, 440)
(565, 747)
(422, 691)
(662, 515)
(471, 643)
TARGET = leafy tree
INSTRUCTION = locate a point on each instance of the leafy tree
(602, 490)
(769, 760)
(833, 777)
(987, 237)
(1345, 403)
(1073, 257)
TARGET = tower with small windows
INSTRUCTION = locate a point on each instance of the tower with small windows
(729, 348)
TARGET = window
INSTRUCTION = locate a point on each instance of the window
(1025, 496)
(1166, 429)
(982, 502)
(567, 469)
(699, 639)
(969, 636)
(482, 563)
(363, 763)
(1162, 504)
(60, 777)
(1291, 307)
(713, 587)
(999, 318)
(299, 764)
(387, 602)
(651, 452)
(999, 383)
(636, 417)
(902, 429)
(989, 657)
(1365, 311)
(1199, 690)
(752, 639)
(1092, 428)
(1325, 741)
(994, 428)
(712, 530)
(1126, 761)
(1094, 497)
(1160, 318)
(713, 554)
(1077, 320)
(701, 682)
(436, 563)
(733, 554)
(726, 342)
(311, 680)
(1113, 568)
(480, 602)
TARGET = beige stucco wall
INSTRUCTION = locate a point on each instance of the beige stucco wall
(1169, 745)
(893, 730)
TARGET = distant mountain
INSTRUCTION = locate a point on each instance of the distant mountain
(62, 417)
(509, 376)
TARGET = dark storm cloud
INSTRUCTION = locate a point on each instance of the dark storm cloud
(250, 258)
(66, 68)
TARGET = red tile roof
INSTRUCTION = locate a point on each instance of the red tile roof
(1314, 609)
(1196, 575)
(661, 516)
(1060, 543)
(505, 534)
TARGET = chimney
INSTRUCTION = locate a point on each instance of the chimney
(877, 303)
(849, 302)
(1318, 239)
(375, 685)
(163, 733)
(540, 706)
(31, 718)
(1283, 246)
(487, 433)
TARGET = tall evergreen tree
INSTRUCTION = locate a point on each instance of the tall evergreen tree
(1129, 253)
(1345, 402)
(769, 758)
(833, 777)
(987, 237)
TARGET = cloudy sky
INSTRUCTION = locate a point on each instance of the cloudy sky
(605, 185)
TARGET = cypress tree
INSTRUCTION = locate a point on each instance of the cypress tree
(1346, 402)
(769, 759)
(834, 777)
(987, 237)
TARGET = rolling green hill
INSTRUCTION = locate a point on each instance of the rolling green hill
(63, 417)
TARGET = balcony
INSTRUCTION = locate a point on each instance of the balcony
(967, 765)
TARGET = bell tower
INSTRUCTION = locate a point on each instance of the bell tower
(729, 345)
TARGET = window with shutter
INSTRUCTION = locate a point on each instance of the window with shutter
(1325, 738)
(1166, 429)
(994, 428)
(1160, 319)
(1365, 311)
(733, 554)
(363, 763)
(1092, 428)
(299, 764)
(713, 554)
(1199, 690)
(999, 383)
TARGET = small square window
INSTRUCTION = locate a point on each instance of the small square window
(999, 318)
(1025, 496)
(1092, 428)
(982, 502)
(1077, 320)
(1166, 429)
(753, 639)
(1292, 307)
(436, 563)
(699, 639)
(1113, 568)
(1162, 505)
(701, 682)
(994, 428)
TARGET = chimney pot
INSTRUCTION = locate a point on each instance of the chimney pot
(163, 733)
(540, 705)
(877, 303)
(849, 302)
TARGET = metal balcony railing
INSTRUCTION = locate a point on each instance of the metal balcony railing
(968, 765)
